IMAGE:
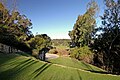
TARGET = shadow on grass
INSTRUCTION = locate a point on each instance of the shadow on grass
(49, 62)
(24, 54)
(41, 69)
(6, 57)
(11, 72)
(101, 72)
(24, 66)
(80, 78)
(94, 71)
(88, 66)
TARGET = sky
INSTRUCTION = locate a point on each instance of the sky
(54, 17)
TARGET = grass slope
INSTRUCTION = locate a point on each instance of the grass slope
(71, 62)
(16, 67)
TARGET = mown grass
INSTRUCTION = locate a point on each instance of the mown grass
(71, 62)
(18, 67)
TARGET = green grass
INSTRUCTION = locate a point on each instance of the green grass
(71, 62)
(61, 47)
(19, 67)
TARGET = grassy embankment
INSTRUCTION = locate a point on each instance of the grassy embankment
(18, 67)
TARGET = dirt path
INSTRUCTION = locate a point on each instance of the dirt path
(51, 56)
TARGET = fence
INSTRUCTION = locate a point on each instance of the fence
(8, 49)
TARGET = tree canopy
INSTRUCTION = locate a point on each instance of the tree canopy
(14, 28)
(107, 44)
(15, 31)
(84, 26)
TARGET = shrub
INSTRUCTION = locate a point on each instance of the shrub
(60, 52)
(82, 53)
(53, 51)
(35, 53)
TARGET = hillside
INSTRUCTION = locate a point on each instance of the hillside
(71, 62)
(18, 67)
(61, 42)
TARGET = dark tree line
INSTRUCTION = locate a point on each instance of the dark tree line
(14, 28)
(15, 32)
(106, 44)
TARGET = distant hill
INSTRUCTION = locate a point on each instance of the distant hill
(61, 42)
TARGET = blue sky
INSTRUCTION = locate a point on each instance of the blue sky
(54, 17)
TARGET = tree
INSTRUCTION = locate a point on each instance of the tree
(107, 43)
(82, 31)
(14, 28)
(39, 42)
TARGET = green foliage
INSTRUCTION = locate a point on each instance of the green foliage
(53, 51)
(14, 28)
(39, 42)
(11, 40)
(108, 42)
(59, 51)
(14, 23)
(82, 33)
(84, 26)
(82, 53)
(60, 42)
(35, 53)
(15, 31)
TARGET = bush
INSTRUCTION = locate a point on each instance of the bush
(53, 51)
(35, 53)
(82, 53)
(60, 52)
